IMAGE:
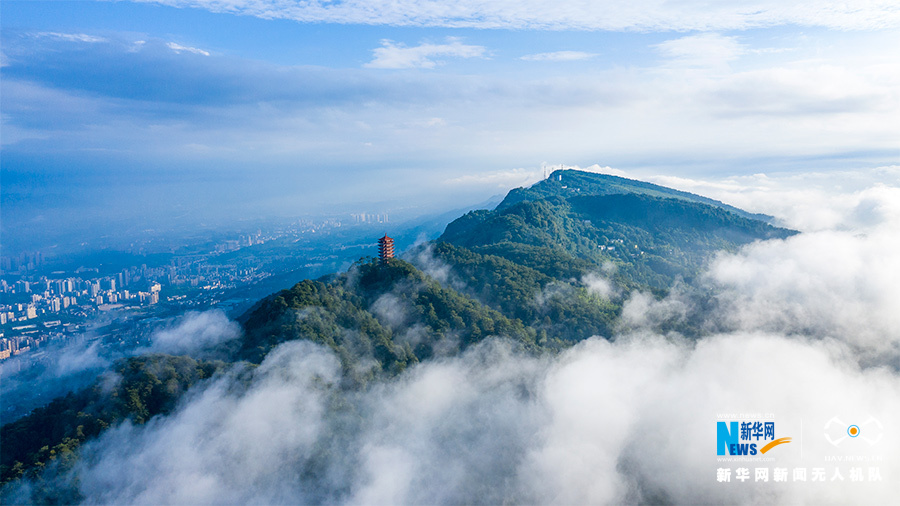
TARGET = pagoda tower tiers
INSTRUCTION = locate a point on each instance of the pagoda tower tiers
(385, 248)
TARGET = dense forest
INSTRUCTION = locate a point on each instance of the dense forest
(136, 389)
(550, 266)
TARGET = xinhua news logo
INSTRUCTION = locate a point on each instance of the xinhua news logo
(746, 438)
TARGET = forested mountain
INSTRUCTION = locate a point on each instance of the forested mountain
(136, 389)
(568, 183)
(550, 266)
(653, 239)
(390, 313)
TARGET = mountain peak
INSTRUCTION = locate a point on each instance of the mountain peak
(570, 183)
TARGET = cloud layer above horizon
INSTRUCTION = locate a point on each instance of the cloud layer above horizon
(567, 14)
(145, 108)
(126, 95)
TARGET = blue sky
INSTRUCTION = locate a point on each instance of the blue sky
(132, 109)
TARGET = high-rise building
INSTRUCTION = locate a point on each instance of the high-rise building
(385, 248)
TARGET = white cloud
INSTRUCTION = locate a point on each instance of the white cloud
(194, 332)
(860, 200)
(82, 357)
(72, 37)
(815, 89)
(223, 447)
(814, 334)
(570, 14)
(837, 285)
(398, 56)
(559, 56)
(703, 50)
(624, 422)
(776, 111)
(599, 285)
(178, 48)
(136, 46)
(510, 178)
(642, 310)
(838, 280)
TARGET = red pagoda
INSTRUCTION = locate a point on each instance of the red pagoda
(385, 248)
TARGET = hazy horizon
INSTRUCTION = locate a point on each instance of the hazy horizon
(145, 113)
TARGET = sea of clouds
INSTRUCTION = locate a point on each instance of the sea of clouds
(809, 331)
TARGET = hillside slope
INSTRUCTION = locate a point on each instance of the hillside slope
(550, 266)
(651, 241)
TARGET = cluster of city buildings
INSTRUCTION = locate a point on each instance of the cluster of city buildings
(36, 309)
(369, 217)
(29, 337)
(55, 295)
(38, 306)
(24, 262)
(39, 309)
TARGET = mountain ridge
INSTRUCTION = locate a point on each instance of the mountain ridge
(545, 269)
(568, 182)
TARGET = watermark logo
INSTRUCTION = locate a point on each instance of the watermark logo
(744, 439)
(738, 438)
(837, 431)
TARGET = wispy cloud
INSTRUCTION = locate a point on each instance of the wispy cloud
(71, 37)
(559, 56)
(398, 56)
(703, 50)
(178, 48)
(809, 201)
(193, 333)
(570, 14)
(499, 179)
(752, 113)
